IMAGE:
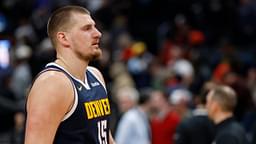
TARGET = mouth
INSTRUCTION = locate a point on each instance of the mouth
(96, 43)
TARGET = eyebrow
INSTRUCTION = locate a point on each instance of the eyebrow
(88, 25)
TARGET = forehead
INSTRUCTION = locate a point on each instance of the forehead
(209, 95)
(82, 19)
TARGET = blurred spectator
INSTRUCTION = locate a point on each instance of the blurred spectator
(127, 98)
(22, 77)
(138, 64)
(221, 102)
(25, 33)
(165, 119)
(123, 51)
(8, 111)
(134, 126)
(244, 99)
(44, 54)
(20, 83)
(170, 53)
(120, 76)
(197, 129)
(180, 99)
(219, 72)
(184, 68)
(158, 74)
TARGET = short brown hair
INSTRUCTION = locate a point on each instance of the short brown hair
(225, 96)
(60, 20)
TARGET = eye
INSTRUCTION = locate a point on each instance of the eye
(87, 27)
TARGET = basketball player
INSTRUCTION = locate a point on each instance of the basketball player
(68, 102)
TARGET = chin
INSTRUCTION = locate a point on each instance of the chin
(96, 56)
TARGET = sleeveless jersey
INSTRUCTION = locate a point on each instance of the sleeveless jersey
(88, 120)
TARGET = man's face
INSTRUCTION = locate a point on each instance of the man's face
(210, 105)
(158, 100)
(125, 103)
(85, 37)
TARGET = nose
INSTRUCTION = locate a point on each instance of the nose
(97, 33)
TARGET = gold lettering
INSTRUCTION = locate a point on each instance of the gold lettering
(97, 108)
(93, 109)
(101, 107)
(88, 110)
(106, 106)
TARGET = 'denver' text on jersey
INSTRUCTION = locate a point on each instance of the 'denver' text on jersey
(88, 120)
(97, 108)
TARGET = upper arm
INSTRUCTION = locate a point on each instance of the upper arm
(48, 101)
(111, 139)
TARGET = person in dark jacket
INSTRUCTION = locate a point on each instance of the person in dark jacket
(197, 129)
(221, 102)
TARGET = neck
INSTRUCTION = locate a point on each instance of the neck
(200, 106)
(164, 109)
(222, 116)
(75, 68)
(144, 108)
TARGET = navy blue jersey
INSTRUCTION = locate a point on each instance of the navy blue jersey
(88, 120)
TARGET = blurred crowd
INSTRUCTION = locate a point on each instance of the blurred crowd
(166, 49)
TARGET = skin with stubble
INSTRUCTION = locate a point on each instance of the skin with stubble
(85, 38)
(81, 41)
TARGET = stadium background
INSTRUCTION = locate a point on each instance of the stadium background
(146, 43)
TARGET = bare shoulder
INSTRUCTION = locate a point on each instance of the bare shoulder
(97, 72)
(51, 90)
(48, 101)
(52, 81)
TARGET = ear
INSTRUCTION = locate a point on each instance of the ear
(215, 106)
(63, 39)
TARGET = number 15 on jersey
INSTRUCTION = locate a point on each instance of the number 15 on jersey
(102, 134)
